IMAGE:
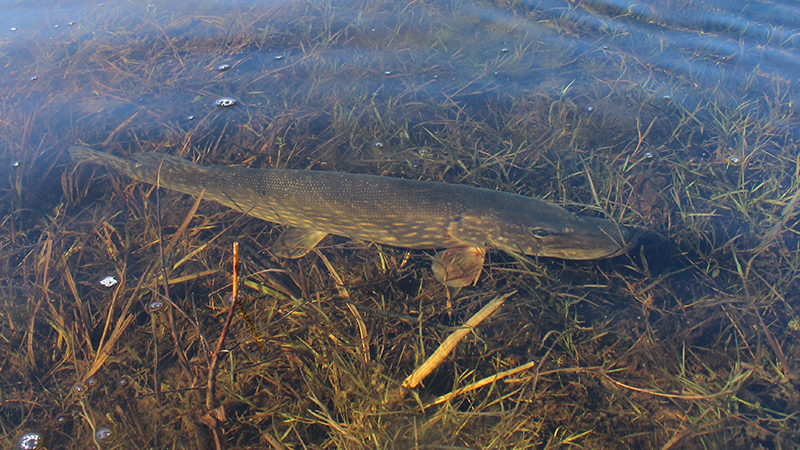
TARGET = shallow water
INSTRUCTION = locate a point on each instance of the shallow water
(678, 119)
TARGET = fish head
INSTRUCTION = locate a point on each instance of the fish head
(548, 231)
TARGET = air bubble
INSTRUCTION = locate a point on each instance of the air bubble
(224, 67)
(387, 73)
(590, 109)
(606, 47)
(79, 388)
(229, 298)
(30, 440)
(190, 118)
(279, 57)
(123, 381)
(104, 434)
(108, 281)
(225, 102)
(91, 382)
(503, 50)
(378, 145)
(649, 155)
(666, 97)
(15, 163)
(735, 160)
(155, 306)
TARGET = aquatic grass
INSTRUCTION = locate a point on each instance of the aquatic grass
(678, 343)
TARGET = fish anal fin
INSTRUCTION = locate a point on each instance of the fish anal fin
(458, 266)
(296, 242)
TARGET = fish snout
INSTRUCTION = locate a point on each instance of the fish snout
(589, 238)
(606, 238)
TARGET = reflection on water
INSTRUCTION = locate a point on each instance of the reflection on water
(674, 118)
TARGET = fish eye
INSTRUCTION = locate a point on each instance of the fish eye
(540, 233)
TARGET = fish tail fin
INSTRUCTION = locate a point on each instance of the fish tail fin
(83, 155)
(144, 167)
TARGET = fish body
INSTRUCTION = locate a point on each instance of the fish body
(393, 211)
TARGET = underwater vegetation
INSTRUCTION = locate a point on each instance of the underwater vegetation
(129, 320)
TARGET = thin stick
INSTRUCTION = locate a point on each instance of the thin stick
(156, 382)
(481, 383)
(235, 295)
(450, 343)
(235, 287)
(212, 369)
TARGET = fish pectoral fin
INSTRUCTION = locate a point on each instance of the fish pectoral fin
(459, 266)
(296, 243)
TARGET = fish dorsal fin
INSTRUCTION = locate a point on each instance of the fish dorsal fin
(296, 242)
(459, 266)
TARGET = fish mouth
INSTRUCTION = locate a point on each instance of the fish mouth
(610, 239)
(625, 246)
(596, 239)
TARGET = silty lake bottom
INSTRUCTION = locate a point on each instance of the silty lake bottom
(676, 119)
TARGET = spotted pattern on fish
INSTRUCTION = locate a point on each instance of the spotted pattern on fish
(393, 211)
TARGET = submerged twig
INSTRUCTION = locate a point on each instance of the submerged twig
(449, 344)
(212, 369)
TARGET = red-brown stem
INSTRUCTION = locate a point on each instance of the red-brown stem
(215, 356)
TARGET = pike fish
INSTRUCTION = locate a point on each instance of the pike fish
(464, 221)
